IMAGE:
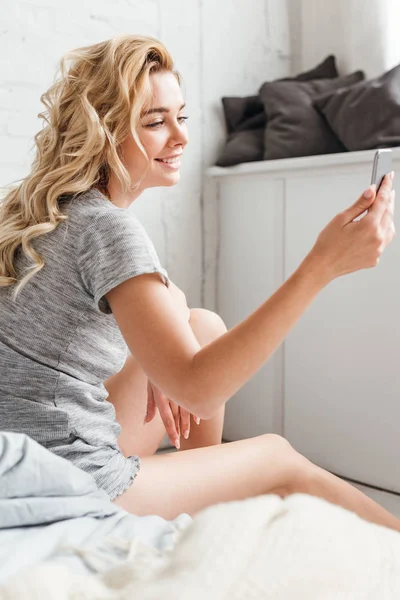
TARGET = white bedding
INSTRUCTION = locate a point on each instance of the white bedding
(263, 548)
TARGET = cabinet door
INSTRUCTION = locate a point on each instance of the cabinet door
(249, 269)
(341, 365)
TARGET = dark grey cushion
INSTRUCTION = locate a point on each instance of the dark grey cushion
(245, 119)
(248, 112)
(242, 146)
(294, 126)
(366, 115)
(239, 110)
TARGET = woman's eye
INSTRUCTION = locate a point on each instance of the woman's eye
(159, 123)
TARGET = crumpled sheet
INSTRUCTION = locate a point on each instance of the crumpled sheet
(49, 509)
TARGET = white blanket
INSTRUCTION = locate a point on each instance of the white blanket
(263, 548)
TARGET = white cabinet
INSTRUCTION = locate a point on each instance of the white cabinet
(333, 387)
(342, 375)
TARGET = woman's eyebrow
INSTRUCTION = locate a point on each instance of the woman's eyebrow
(160, 109)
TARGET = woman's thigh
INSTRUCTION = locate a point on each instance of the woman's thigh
(169, 484)
(128, 393)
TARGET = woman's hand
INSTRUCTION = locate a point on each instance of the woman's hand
(175, 418)
(346, 245)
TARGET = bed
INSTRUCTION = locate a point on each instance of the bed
(62, 539)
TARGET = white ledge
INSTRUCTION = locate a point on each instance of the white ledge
(301, 163)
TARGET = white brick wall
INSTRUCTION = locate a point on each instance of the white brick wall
(227, 47)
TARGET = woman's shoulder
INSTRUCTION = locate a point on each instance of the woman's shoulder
(91, 215)
(90, 202)
(91, 210)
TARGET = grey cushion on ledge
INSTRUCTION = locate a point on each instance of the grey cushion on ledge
(294, 126)
(239, 111)
(242, 146)
(366, 115)
(246, 120)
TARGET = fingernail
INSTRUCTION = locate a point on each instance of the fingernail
(186, 434)
(392, 175)
(368, 193)
(197, 420)
(177, 444)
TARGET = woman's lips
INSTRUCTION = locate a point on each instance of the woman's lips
(174, 166)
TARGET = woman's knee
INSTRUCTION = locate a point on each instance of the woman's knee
(295, 471)
(206, 323)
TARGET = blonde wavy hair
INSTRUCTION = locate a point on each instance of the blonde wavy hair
(94, 104)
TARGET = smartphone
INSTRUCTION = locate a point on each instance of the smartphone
(381, 166)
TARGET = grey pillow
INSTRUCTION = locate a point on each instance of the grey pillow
(247, 112)
(294, 126)
(238, 110)
(246, 120)
(366, 115)
(242, 146)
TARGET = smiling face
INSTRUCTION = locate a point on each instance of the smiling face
(163, 132)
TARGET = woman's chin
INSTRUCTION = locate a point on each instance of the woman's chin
(171, 180)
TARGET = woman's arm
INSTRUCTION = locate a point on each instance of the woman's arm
(179, 300)
(201, 380)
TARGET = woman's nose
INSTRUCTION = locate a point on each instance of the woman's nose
(180, 134)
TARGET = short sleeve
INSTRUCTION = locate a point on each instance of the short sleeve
(114, 248)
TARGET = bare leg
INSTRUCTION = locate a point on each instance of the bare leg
(325, 485)
(189, 481)
(128, 392)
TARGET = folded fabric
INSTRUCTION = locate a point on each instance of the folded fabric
(366, 115)
(246, 114)
(294, 126)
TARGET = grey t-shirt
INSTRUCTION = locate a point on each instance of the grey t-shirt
(59, 340)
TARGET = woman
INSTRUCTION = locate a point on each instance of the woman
(80, 280)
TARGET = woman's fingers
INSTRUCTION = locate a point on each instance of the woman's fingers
(347, 243)
(175, 411)
(170, 425)
(185, 422)
(387, 227)
(167, 416)
(382, 199)
(175, 418)
(359, 209)
(390, 207)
